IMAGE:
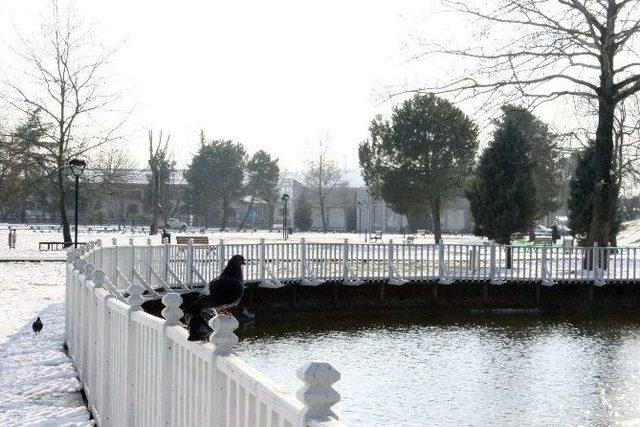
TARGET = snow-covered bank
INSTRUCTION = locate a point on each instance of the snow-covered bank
(38, 384)
(630, 233)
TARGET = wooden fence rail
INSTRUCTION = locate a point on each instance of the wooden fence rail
(140, 370)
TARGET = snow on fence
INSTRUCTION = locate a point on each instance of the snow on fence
(180, 268)
(140, 370)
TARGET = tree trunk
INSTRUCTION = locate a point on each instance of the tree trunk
(604, 187)
(155, 210)
(324, 219)
(241, 226)
(225, 215)
(435, 206)
(271, 211)
(62, 206)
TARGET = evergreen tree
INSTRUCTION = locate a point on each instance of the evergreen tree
(421, 157)
(302, 214)
(502, 195)
(214, 180)
(263, 174)
(544, 154)
(22, 166)
(580, 202)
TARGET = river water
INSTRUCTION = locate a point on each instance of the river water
(514, 371)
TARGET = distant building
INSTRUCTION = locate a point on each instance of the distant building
(354, 209)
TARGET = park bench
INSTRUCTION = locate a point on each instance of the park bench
(409, 240)
(376, 235)
(53, 246)
(421, 232)
(197, 240)
(543, 240)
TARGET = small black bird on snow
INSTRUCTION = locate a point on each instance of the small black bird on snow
(37, 326)
(224, 293)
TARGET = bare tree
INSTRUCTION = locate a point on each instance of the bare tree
(161, 166)
(112, 169)
(323, 177)
(61, 76)
(539, 51)
(627, 143)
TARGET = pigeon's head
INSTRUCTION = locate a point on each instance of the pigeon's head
(237, 260)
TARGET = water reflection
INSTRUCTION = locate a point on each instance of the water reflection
(487, 371)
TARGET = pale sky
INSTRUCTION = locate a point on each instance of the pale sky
(275, 75)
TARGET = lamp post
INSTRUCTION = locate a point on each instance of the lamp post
(285, 201)
(77, 168)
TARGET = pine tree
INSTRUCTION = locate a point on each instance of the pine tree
(502, 195)
(544, 154)
(421, 157)
(263, 174)
(214, 180)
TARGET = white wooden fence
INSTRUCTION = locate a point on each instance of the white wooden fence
(179, 268)
(140, 370)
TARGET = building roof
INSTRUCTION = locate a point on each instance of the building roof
(141, 176)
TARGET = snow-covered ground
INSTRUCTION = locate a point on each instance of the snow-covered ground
(38, 384)
(630, 233)
(27, 239)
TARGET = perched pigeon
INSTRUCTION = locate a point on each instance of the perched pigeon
(37, 326)
(225, 292)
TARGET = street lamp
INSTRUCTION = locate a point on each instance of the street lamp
(285, 201)
(77, 168)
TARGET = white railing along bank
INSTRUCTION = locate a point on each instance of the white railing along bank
(140, 370)
(179, 268)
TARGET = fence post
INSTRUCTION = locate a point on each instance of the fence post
(317, 393)
(223, 338)
(114, 241)
(443, 276)
(165, 262)
(262, 256)
(492, 261)
(134, 300)
(149, 260)
(190, 263)
(345, 260)
(172, 314)
(221, 255)
(104, 364)
(543, 265)
(133, 257)
(303, 259)
(390, 259)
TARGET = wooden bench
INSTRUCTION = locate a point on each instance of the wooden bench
(197, 240)
(376, 236)
(55, 246)
(543, 240)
